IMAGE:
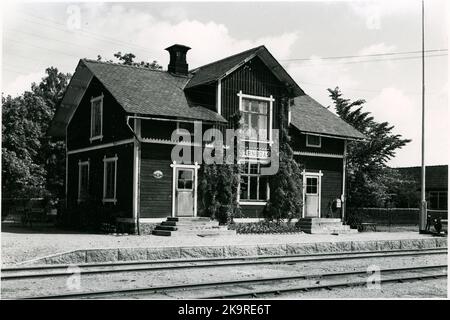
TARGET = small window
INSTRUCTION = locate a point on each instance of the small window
(311, 185)
(185, 179)
(313, 141)
(83, 180)
(109, 179)
(96, 118)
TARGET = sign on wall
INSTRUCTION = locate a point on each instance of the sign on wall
(157, 174)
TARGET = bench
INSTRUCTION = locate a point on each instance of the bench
(365, 226)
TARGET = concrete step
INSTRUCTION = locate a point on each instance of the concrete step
(324, 220)
(166, 228)
(324, 226)
(190, 223)
(204, 232)
(321, 231)
(162, 233)
(196, 219)
(191, 226)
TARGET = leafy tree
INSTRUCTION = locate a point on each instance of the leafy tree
(128, 59)
(286, 185)
(368, 180)
(32, 164)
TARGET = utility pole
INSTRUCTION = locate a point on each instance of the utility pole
(423, 202)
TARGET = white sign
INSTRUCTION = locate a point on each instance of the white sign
(158, 174)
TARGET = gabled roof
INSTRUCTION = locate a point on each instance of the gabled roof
(150, 92)
(138, 90)
(221, 68)
(309, 116)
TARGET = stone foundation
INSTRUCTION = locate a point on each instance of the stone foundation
(189, 252)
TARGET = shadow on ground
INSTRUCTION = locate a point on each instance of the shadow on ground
(48, 228)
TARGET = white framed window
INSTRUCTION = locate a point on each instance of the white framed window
(253, 186)
(256, 121)
(110, 179)
(83, 180)
(313, 141)
(96, 118)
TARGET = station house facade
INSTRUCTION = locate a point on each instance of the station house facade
(117, 121)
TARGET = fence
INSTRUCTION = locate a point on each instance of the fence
(390, 216)
(21, 209)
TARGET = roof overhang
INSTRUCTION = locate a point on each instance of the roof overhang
(72, 97)
(329, 135)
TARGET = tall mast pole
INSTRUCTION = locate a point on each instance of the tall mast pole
(423, 202)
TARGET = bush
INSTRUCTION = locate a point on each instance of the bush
(90, 215)
(264, 227)
(353, 221)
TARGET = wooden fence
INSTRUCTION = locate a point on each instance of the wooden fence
(391, 216)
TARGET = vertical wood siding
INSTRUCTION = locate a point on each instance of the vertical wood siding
(155, 194)
(114, 125)
(124, 191)
(331, 179)
(329, 145)
(253, 78)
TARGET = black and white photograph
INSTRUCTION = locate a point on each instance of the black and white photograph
(210, 152)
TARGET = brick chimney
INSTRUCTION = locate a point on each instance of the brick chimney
(178, 64)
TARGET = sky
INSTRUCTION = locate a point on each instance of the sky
(302, 36)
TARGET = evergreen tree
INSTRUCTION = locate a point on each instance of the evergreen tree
(286, 185)
(368, 177)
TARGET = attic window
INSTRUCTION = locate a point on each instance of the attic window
(313, 141)
(96, 118)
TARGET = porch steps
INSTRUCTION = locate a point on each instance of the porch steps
(200, 226)
(324, 226)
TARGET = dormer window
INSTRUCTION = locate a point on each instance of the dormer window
(313, 141)
(96, 118)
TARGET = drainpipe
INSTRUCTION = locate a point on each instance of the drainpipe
(344, 169)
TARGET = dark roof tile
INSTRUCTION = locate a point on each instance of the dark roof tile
(149, 92)
(308, 115)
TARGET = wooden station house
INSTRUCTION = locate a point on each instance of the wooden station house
(118, 119)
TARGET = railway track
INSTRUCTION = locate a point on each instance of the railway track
(264, 286)
(18, 273)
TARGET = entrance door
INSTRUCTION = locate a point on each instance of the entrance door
(312, 197)
(184, 192)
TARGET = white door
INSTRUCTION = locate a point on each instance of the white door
(184, 192)
(312, 197)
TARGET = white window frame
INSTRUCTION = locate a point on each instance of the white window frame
(313, 145)
(271, 100)
(105, 162)
(93, 100)
(252, 201)
(80, 165)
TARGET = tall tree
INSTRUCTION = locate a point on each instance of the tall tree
(33, 164)
(286, 185)
(368, 177)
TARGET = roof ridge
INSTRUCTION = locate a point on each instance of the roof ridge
(220, 60)
(123, 65)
